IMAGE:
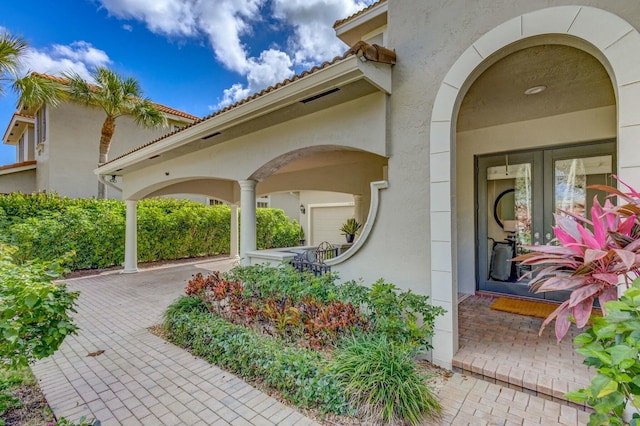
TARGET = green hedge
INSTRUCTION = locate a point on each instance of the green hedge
(301, 375)
(45, 226)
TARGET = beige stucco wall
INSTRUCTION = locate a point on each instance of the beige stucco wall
(71, 151)
(24, 182)
(359, 124)
(429, 37)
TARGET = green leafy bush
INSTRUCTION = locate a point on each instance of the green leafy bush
(46, 226)
(401, 315)
(34, 312)
(611, 345)
(380, 378)
(299, 374)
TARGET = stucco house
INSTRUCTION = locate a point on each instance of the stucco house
(57, 148)
(453, 123)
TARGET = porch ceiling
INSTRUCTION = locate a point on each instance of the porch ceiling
(575, 81)
(343, 81)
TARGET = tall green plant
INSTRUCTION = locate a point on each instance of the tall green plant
(380, 379)
(116, 96)
(35, 314)
(592, 259)
(612, 345)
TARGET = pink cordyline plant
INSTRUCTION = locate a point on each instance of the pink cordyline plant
(592, 259)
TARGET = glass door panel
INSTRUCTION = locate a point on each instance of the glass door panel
(517, 194)
(506, 218)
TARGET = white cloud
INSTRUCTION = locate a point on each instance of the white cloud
(313, 38)
(127, 27)
(225, 22)
(271, 67)
(80, 57)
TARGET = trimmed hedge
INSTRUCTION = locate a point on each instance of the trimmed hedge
(46, 226)
(301, 375)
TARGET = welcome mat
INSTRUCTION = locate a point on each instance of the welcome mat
(524, 307)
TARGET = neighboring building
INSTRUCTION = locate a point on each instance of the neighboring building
(492, 115)
(57, 148)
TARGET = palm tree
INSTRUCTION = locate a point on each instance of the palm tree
(11, 50)
(116, 96)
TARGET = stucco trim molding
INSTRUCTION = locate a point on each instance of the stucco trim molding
(610, 38)
(376, 187)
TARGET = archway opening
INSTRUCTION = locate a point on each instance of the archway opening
(540, 121)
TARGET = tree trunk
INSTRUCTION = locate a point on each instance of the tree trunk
(108, 128)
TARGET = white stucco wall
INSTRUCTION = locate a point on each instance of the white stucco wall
(358, 124)
(24, 182)
(71, 151)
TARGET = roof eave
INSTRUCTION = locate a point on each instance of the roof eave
(19, 121)
(348, 70)
(359, 20)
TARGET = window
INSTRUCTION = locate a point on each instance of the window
(263, 202)
(216, 202)
(41, 125)
(21, 149)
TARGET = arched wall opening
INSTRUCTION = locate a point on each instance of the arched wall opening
(606, 37)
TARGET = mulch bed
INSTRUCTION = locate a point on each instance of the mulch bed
(34, 410)
(143, 265)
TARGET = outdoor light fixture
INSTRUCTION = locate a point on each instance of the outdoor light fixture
(535, 90)
(302, 209)
(113, 179)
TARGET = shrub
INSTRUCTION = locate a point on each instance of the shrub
(299, 374)
(46, 226)
(402, 315)
(379, 378)
(612, 345)
(34, 312)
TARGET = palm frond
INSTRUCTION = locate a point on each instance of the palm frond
(12, 48)
(34, 91)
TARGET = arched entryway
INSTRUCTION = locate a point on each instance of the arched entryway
(613, 42)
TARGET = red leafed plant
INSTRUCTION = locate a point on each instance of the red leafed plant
(592, 259)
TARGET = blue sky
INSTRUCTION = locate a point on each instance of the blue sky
(193, 55)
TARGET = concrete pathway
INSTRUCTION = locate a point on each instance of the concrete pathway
(140, 379)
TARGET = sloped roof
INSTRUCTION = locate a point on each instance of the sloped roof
(16, 118)
(162, 108)
(356, 50)
(17, 165)
(358, 13)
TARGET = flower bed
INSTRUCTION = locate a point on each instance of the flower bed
(288, 329)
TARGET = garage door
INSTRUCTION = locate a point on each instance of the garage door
(326, 223)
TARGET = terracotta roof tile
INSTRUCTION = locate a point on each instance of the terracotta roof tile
(17, 165)
(372, 53)
(163, 108)
(358, 13)
(244, 101)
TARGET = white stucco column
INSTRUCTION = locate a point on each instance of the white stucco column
(131, 238)
(247, 219)
(233, 245)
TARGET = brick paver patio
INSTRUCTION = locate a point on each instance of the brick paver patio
(140, 379)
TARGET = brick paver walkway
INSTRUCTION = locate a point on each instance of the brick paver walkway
(140, 378)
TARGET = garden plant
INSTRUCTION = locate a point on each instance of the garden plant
(294, 332)
(592, 259)
(35, 317)
(46, 226)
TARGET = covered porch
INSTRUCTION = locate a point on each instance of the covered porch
(505, 349)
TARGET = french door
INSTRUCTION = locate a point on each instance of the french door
(517, 194)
